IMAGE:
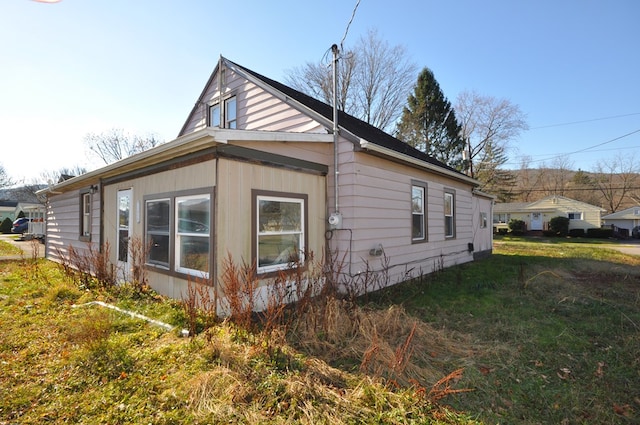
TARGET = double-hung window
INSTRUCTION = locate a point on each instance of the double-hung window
(85, 216)
(178, 232)
(449, 215)
(229, 112)
(418, 212)
(280, 230)
(192, 234)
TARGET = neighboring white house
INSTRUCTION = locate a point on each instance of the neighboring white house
(625, 219)
(253, 175)
(537, 214)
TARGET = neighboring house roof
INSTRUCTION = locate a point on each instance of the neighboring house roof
(632, 213)
(543, 205)
(8, 204)
(505, 207)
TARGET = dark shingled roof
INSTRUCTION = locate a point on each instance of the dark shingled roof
(350, 123)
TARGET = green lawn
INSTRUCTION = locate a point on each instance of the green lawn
(540, 332)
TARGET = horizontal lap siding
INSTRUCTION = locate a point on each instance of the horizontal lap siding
(200, 175)
(256, 109)
(234, 213)
(375, 199)
(63, 226)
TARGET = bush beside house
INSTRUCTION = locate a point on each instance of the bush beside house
(5, 226)
(517, 227)
(559, 226)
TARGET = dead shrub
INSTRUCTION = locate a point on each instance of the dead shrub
(90, 267)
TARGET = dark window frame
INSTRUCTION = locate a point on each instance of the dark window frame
(425, 236)
(85, 194)
(255, 194)
(452, 217)
(173, 268)
(220, 110)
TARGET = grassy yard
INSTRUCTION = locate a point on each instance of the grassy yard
(552, 331)
(7, 248)
(538, 333)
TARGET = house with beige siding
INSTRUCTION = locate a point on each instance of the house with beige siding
(623, 221)
(537, 214)
(257, 174)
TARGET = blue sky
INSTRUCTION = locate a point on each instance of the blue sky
(81, 66)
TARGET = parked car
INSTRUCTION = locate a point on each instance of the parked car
(20, 225)
(635, 232)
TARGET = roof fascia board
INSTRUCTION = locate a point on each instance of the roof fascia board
(229, 135)
(188, 143)
(366, 145)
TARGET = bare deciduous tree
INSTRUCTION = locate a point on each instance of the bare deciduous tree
(489, 125)
(374, 80)
(556, 177)
(114, 145)
(616, 179)
(5, 180)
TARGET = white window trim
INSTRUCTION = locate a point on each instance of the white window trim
(177, 234)
(452, 215)
(423, 214)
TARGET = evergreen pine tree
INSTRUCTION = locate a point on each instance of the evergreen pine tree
(429, 123)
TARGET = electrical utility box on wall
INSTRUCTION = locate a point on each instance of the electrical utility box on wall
(335, 221)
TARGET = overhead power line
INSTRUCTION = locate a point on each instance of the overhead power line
(587, 148)
(584, 121)
(346, 31)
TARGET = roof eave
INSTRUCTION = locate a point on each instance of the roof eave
(366, 145)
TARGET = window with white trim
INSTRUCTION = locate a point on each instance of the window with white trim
(574, 215)
(280, 231)
(418, 212)
(192, 234)
(229, 112)
(449, 215)
(85, 217)
(483, 220)
(177, 231)
(214, 115)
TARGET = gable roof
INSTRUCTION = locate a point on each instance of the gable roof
(632, 213)
(542, 205)
(359, 132)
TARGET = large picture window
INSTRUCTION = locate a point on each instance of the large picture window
(449, 215)
(280, 230)
(418, 212)
(178, 232)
